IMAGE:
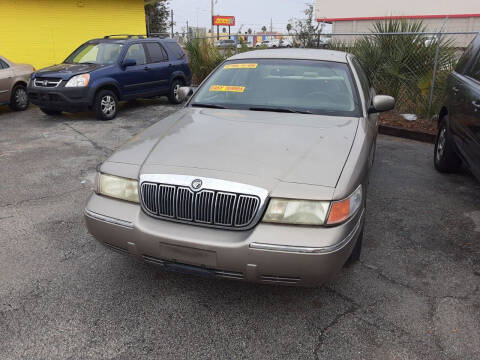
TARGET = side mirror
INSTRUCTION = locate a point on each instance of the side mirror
(184, 93)
(129, 62)
(381, 103)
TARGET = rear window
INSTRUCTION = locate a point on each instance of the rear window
(175, 50)
(156, 52)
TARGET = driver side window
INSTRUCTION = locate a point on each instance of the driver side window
(137, 53)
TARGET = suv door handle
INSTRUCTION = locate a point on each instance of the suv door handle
(146, 68)
(476, 105)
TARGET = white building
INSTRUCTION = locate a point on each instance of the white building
(352, 16)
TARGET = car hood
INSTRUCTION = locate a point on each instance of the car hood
(66, 71)
(260, 148)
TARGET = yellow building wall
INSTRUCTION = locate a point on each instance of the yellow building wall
(45, 32)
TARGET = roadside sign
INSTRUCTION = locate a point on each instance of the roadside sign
(223, 20)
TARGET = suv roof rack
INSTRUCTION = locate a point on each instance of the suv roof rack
(128, 36)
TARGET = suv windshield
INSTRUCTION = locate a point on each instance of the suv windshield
(318, 87)
(95, 53)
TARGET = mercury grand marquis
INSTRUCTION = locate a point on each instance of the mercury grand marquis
(262, 176)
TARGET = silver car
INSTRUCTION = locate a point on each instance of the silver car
(262, 176)
(14, 79)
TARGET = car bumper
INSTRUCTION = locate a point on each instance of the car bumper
(61, 98)
(268, 253)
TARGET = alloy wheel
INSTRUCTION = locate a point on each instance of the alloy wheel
(108, 105)
(442, 139)
(21, 97)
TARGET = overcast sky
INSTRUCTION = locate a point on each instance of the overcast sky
(251, 13)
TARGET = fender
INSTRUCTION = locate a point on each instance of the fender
(104, 82)
(177, 75)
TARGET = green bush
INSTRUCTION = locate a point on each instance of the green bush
(204, 58)
(402, 65)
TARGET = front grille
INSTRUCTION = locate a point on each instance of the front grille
(206, 207)
(47, 82)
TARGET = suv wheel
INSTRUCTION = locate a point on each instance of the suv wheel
(445, 158)
(50, 112)
(105, 105)
(173, 93)
(19, 100)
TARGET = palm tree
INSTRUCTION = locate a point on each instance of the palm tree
(264, 28)
(289, 28)
(249, 31)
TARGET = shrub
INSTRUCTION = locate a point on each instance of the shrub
(204, 58)
(401, 65)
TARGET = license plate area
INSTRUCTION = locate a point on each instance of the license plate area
(188, 255)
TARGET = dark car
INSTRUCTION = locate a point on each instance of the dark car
(102, 72)
(458, 139)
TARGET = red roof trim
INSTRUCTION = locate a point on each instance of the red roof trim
(399, 17)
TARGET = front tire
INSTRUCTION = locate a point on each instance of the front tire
(50, 112)
(105, 105)
(19, 100)
(173, 96)
(446, 159)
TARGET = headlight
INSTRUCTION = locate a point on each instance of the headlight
(311, 212)
(118, 187)
(344, 209)
(298, 212)
(78, 81)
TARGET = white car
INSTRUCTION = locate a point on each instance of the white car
(274, 43)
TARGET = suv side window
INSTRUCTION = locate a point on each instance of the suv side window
(3, 65)
(467, 56)
(156, 53)
(175, 49)
(366, 86)
(474, 71)
(137, 53)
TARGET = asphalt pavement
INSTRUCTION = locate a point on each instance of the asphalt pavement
(414, 294)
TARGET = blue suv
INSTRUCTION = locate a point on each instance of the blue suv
(102, 72)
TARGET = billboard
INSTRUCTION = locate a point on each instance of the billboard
(223, 20)
(337, 10)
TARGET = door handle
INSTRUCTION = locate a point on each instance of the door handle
(476, 105)
(455, 89)
(146, 68)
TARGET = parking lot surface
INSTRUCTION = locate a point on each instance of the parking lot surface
(414, 295)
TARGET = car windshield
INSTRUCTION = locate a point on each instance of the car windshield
(95, 53)
(317, 87)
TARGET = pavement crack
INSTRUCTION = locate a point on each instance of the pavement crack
(331, 324)
(21, 202)
(91, 141)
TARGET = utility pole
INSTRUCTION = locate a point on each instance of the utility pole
(171, 22)
(271, 25)
(188, 31)
(211, 19)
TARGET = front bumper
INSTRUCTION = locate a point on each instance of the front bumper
(268, 253)
(60, 98)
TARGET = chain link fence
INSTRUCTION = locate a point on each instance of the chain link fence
(410, 66)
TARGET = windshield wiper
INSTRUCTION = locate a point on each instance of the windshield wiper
(211, 106)
(279, 109)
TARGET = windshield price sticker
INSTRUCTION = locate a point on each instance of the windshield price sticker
(240, 66)
(225, 88)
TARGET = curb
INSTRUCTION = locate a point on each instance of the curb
(407, 134)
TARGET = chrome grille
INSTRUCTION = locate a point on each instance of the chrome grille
(47, 82)
(206, 207)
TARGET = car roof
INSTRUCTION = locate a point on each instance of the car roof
(298, 54)
(128, 40)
